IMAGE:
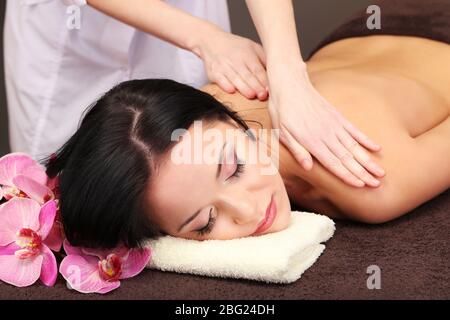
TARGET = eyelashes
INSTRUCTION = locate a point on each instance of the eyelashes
(209, 225)
(240, 166)
(239, 170)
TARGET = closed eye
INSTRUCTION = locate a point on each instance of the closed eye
(240, 166)
(209, 226)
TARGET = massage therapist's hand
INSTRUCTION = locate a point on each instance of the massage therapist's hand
(234, 62)
(310, 125)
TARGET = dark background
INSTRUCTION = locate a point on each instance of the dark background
(412, 251)
(315, 19)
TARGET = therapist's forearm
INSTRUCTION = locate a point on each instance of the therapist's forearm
(275, 23)
(159, 19)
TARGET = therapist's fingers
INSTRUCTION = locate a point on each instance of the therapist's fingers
(335, 165)
(223, 83)
(300, 154)
(260, 74)
(252, 80)
(241, 85)
(260, 70)
(356, 133)
(359, 153)
(347, 159)
(324, 155)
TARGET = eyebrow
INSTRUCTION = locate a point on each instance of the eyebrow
(219, 168)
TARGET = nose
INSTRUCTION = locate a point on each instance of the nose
(241, 206)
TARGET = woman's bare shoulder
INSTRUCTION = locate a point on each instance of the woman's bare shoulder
(404, 156)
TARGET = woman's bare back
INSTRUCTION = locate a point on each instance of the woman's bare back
(401, 105)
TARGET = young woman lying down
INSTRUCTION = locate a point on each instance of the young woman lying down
(118, 181)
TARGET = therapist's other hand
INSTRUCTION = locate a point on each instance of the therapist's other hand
(309, 124)
(235, 63)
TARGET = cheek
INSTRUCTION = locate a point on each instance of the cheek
(165, 222)
(225, 229)
(162, 223)
(268, 178)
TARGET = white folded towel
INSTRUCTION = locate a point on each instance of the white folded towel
(279, 257)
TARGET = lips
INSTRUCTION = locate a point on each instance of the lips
(271, 213)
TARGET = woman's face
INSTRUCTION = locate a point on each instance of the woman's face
(223, 199)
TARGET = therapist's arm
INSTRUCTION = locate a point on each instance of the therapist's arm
(159, 19)
(308, 123)
(231, 61)
(275, 23)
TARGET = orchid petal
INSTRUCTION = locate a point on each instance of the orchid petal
(136, 261)
(10, 249)
(71, 250)
(20, 273)
(47, 218)
(37, 173)
(55, 238)
(16, 214)
(109, 287)
(49, 270)
(1, 193)
(33, 189)
(13, 164)
(103, 253)
(78, 251)
(81, 275)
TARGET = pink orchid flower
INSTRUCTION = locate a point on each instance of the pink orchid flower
(56, 236)
(99, 271)
(24, 256)
(21, 176)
